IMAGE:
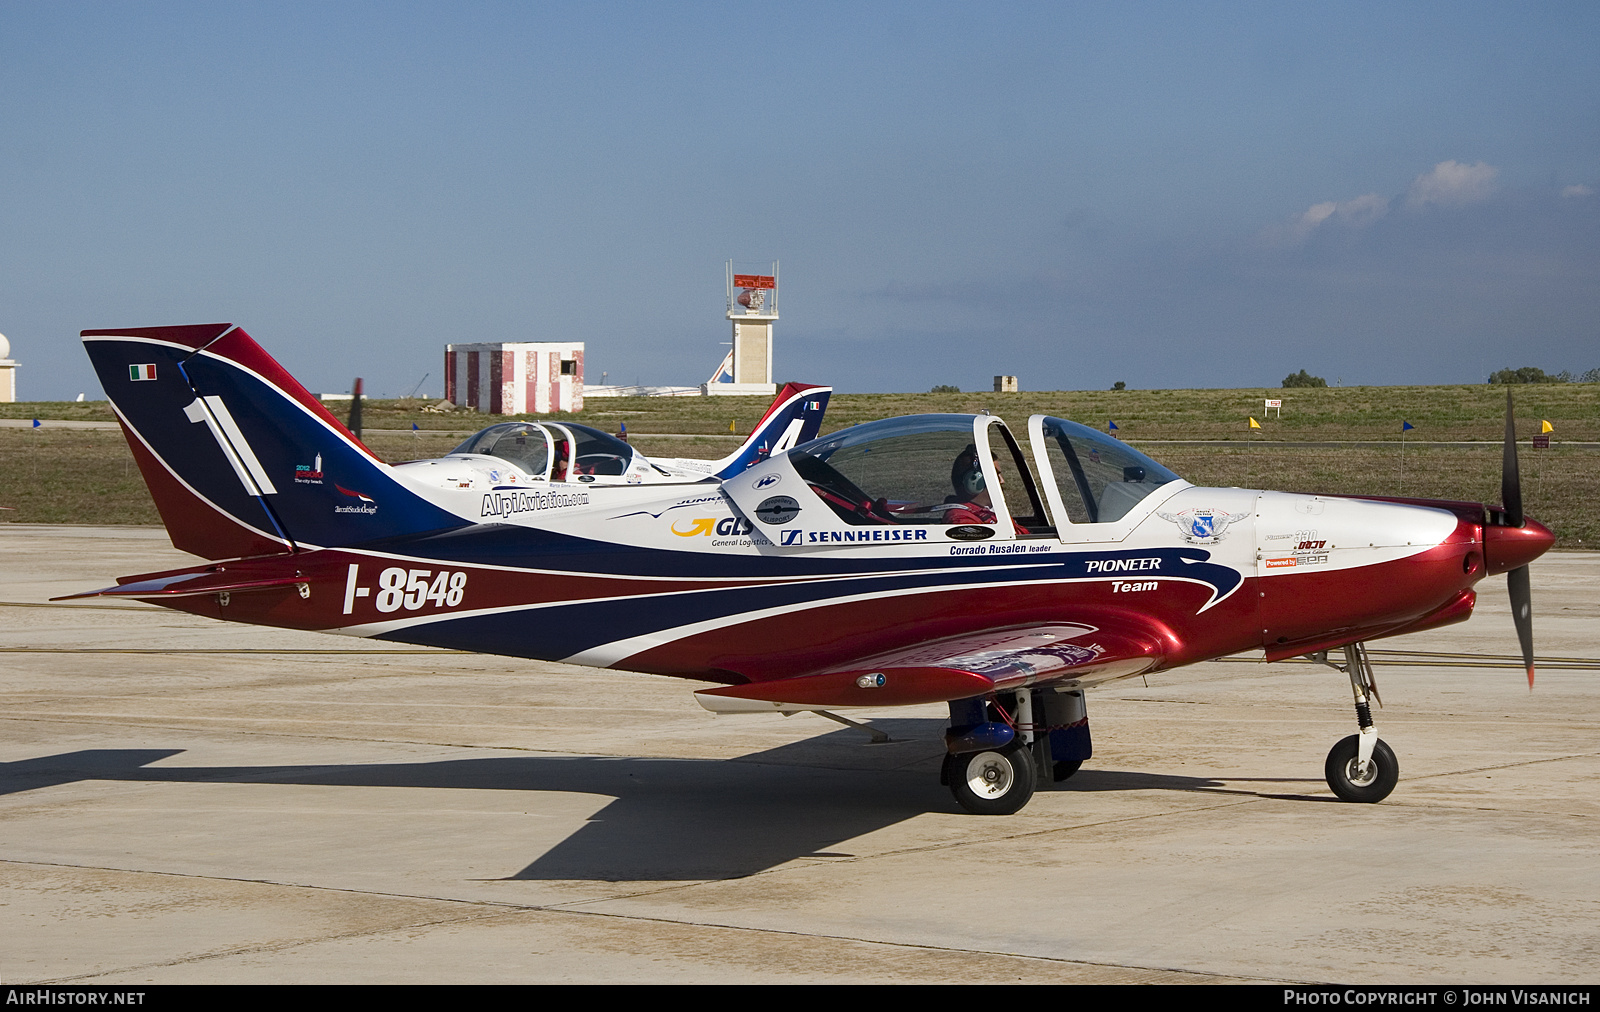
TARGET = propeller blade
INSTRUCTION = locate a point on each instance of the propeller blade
(1510, 478)
(1522, 614)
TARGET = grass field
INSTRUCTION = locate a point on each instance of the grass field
(87, 476)
(1334, 413)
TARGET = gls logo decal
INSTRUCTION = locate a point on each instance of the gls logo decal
(766, 481)
(726, 527)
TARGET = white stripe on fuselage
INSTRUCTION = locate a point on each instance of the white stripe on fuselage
(379, 628)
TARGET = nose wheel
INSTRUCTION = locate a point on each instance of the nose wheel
(1360, 768)
(992, 782)
(1355, 780)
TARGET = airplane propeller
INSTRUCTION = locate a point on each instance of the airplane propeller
(1516, 579)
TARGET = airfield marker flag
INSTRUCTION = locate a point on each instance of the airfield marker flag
(36, 423)
(1112, 427)
(1254, 424)
(1405, 427)
(1542, 440)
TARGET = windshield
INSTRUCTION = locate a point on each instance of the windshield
(1100, 478)
(527, 445)
(522, 443)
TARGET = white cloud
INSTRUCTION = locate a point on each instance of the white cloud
(1579, 190)
(1452, 184)
(1356, 212)
(1362, 210)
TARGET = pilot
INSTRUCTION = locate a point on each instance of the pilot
(562, 461)
(971, 498)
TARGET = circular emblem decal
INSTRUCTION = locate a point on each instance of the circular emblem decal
(766, 481)
(970, 532)
(586, 477)
(780, 509)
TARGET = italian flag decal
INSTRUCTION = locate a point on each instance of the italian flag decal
(142, 372)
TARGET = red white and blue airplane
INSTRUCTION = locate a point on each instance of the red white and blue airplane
(934, 558)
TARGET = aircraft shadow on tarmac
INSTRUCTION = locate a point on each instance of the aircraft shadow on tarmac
(670, 820)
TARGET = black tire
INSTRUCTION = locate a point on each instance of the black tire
(1065, 768)
(1381, 776)
(994, 782)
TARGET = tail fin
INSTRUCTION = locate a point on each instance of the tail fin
(794, 417)
(240, 459)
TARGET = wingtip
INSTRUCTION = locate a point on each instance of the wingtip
(80, 596)
(1530, 678)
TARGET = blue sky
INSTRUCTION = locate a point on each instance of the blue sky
(1166, 194)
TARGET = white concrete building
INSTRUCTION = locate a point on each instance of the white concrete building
(515, 378)
(8, 373)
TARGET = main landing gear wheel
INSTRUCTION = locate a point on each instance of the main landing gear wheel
(993, 782)
(1351, 782)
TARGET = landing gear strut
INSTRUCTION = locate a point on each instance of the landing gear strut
(1001, 749)
(1361, 767)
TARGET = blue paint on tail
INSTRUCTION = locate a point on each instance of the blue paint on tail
(247, 450)
(795, 417)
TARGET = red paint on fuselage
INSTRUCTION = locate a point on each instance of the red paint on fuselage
(783, 646)
(1312, 605)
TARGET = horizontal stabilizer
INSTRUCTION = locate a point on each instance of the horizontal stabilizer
(190, 584)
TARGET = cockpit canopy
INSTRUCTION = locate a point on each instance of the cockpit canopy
(900, 467)
(558, 452)
(1100, 478)
(929, 469)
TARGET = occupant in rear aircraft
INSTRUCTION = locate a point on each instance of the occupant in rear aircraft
(562, 460)
(971, 501)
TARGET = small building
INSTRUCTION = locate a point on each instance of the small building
(8, 373)
(1005, 384)
(506, 378)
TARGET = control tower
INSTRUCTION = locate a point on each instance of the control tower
(753, 307)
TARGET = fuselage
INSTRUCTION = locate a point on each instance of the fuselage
(703, 579)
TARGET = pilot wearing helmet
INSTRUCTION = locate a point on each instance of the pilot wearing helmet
(971, 501)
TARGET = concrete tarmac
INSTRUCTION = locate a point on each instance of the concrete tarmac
(188, 801)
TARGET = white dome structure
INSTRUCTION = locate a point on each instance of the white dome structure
(8, 373)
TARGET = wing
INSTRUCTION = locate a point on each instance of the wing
(960, 667)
